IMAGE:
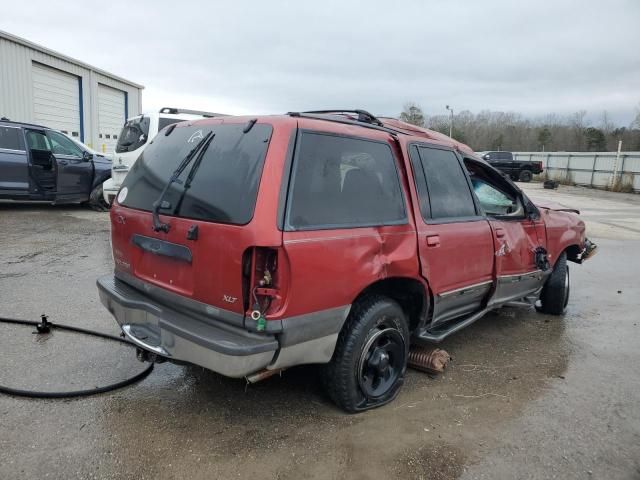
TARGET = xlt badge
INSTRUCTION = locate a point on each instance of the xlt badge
(229, 299)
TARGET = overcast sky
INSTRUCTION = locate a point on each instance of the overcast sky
(255, 56)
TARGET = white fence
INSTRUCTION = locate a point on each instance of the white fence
(594, 169)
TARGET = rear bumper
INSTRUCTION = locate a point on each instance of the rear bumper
(187, 336)
(109, 190)
(176, 336)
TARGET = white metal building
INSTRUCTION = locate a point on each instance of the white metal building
(40, 86)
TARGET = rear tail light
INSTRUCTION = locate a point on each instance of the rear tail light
(261, 281)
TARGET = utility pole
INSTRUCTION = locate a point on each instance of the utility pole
(451, 122)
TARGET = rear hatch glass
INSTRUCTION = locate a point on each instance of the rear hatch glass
(225, 185)
(133, 135)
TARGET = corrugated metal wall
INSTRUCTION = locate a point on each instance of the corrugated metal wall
(594, 169)
(16, 91)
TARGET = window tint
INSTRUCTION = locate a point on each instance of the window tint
(11, 138)
(38, 141)
(344, 182)
(449, 194)
(62, 145)
(134, 134)
(163, 122)
(223, 188)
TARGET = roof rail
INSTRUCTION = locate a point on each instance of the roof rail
(363, 115)
(175, 111)
(334, 116)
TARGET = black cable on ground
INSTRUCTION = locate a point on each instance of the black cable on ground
(44, 326)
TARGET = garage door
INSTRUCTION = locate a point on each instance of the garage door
(56, 99)
(111, 117)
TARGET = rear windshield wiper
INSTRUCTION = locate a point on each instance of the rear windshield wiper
(159, 226)
(192, 173)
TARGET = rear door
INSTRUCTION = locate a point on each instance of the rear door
(14, 168)
(74, 173)
(515, 235)
(454, 240)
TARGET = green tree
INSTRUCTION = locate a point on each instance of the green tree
(412, 113)
(544, 138)
(596, 140)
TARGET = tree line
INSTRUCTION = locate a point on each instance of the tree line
(487, 131)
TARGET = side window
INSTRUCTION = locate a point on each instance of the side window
(449, 193)
(11, 138)
(61, 145)
(343, 182)
(495, 196)
(37, 140)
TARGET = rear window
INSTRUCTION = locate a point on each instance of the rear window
(343, 182)
(11, 138)
(225, 185)
(133, 135)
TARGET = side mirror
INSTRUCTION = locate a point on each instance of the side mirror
(86, 156)
(486, 156)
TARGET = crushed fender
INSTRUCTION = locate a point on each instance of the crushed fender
(430, 360)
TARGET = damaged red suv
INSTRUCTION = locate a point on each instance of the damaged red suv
(250, 245)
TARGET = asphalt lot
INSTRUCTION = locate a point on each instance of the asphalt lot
(526, 395)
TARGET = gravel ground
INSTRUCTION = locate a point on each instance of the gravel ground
(526, 395)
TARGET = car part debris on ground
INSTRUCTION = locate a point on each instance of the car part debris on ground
(430, 360)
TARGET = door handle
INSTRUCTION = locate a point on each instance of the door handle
(62, 162)
(499, 232)
(433, 240)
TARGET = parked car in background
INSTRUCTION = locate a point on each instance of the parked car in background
(250, 245)
(38, 163)
(136, 134)
(522, 170)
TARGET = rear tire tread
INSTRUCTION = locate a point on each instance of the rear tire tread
(338, 375)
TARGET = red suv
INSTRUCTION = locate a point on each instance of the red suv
(250, 245)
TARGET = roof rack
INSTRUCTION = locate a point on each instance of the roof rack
(17, 122)
(175, 111)
(365, 119)
(363, 115)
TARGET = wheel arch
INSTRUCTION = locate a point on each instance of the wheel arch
(410, 293)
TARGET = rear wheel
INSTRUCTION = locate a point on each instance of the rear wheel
(525, 176)
(97, 201)
(555, 293)
(370, 359)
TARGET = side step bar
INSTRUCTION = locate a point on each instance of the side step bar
(441, 332)
(438, 334)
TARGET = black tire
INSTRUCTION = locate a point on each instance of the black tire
(555, 293)
(525, 176)
(97, 201)
(370, 360)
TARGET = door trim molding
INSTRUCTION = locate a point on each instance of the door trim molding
(465, 289)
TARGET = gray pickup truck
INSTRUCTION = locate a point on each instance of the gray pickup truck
(521, 170)
(37, 163)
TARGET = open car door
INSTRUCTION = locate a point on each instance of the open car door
(517, 236)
